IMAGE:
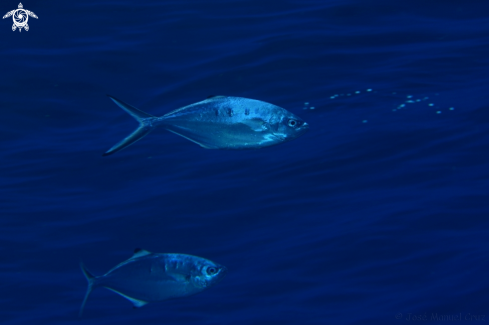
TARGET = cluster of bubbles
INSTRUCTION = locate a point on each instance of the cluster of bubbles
(409, 99)
(350, 94)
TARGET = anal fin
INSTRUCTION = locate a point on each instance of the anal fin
(136, 302)
(203, 145)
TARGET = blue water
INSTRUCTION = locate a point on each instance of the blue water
(378, 215)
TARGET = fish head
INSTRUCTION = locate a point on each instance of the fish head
(289, 126)
(208, 275)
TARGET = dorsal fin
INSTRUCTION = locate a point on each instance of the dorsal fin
(215, 96)
(138, 252)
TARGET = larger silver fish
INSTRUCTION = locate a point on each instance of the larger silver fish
(148, 277)
(220, 122)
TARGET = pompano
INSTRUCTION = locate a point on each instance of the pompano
(220, 122)
(148, 277)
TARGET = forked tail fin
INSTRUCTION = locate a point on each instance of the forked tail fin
(91, 280)
(145, 126)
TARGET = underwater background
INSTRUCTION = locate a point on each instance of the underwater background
(378, 215)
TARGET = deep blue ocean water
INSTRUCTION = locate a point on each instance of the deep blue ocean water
(378, 215)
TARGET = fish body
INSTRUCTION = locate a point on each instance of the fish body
(149, 277)
(221, 122)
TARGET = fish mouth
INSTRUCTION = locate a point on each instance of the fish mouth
(222, 273)
(304, 128)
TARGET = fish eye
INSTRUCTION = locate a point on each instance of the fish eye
(211, 270)
(293, 123)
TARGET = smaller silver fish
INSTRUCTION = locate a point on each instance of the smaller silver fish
(220, 122)
(148, 277)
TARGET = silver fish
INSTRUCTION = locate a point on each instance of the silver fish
(148, 277)
(220, 122)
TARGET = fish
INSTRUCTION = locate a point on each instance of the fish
(219, 122)
(149, 277)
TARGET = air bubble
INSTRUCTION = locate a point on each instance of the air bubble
(401, 104)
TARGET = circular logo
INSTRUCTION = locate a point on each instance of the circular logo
(20, 18)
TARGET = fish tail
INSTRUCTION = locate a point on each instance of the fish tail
(91, 280)
(145, 126)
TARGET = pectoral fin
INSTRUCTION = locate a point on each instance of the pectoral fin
(182, 278)
(136, 302)
(256, 124)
